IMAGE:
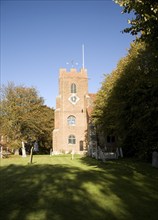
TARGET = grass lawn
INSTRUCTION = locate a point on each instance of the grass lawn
(58, 188)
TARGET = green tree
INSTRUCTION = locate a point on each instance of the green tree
(129, 102)
(145, 21)
(24, 116)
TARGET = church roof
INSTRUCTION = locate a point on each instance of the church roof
(91, 97)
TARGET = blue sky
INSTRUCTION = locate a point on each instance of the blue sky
(40, 37)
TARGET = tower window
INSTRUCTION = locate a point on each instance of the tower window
(71, 120)
(71, 139)
(73, 88)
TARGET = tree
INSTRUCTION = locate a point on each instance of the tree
(145, 22)
(129, 102)
(46, 126)
(24, 116)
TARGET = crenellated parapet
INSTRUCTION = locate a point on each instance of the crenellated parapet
(73, 73)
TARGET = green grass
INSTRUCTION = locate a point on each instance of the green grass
(58, 188)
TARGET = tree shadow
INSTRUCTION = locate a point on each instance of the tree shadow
(61, 192)
(134, 182)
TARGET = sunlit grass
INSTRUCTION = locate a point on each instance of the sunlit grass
(59, 188)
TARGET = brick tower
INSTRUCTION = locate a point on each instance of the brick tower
(71, 112)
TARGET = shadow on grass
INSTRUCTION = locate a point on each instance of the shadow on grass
(114, 190)
(134, 182)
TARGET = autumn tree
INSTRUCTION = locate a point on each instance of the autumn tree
(24, 116)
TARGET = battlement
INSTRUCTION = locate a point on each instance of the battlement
(73, 72)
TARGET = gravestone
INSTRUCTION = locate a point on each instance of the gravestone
(23, 150)
(51, 152)
(35, 147)
(155, 159)
(121, 152)
(31, 155)
(16, 152)
(1, 152)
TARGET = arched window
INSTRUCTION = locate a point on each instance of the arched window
(71, 120)
(73, 88)
(71, 139)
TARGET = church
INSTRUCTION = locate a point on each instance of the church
(72, 114)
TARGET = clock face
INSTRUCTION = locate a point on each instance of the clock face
(73, 99)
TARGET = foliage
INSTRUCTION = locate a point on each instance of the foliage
(129, 106)
(101, 103)
(24, 117)
(145, 21)
(127, 103)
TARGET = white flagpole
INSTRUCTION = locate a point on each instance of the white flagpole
(83, 56)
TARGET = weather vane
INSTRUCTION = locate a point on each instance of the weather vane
(72, 63)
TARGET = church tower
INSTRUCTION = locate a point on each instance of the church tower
(71, 111)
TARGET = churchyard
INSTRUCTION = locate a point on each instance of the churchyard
(62, 188)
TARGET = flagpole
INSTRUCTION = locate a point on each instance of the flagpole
(83, 56)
